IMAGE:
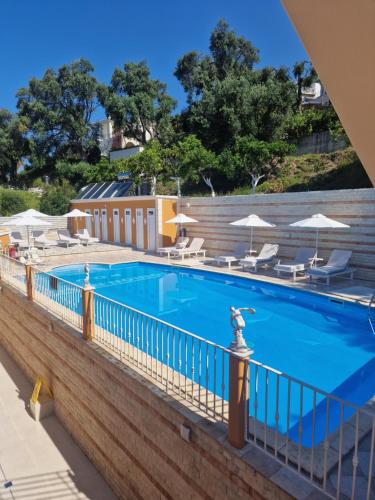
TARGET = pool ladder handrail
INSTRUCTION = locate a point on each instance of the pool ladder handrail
(371, 313)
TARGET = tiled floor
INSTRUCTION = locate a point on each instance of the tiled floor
(40, 459)
(354, 290)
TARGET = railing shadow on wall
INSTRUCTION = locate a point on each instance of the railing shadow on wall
(303, 427)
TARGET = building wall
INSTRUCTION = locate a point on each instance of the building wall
(168, 211)
(355, 207)
(4, 239)
(128, 427)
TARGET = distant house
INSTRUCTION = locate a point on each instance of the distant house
(315, 95)
(112, 142)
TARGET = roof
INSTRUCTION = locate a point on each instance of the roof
(100, 190)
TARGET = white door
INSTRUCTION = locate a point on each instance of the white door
(151, 233)
(97, 223)
(128, 226)
(139, 227)
(88, 223)
(104, 225)
(116, 225)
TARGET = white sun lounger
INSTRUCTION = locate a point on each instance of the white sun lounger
(239, 252)
(64, 238)
(195, 248)
(304, 259)
(265, 257)
(181, 243)
(41, 241)
(85, 238)
(16, 239)
(337, 265)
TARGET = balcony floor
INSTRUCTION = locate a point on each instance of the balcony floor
(40, 459)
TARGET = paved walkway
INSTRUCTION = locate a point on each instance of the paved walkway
(354, 290)
(41, 460)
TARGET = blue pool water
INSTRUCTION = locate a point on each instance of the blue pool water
(323, 343)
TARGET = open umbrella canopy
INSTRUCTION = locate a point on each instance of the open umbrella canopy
(318, 221)
(77, 213)
(251, 221)
(31, 212)
(28, 221)
(181, 219)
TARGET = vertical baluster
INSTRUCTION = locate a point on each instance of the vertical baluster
(192, 369)
(313, 437)
(277, 413)
(186, 364)
(287, 422)
(168, 357)
(371, 464)
(157, 349)
(341, 436)
(256, 401)
(199, 371)
(266, 411)
(222, 383)
(215, 377)
(179, 362)
(300, 428)
(147, 344)
(355, 455)
(173, 356)
(207, 376)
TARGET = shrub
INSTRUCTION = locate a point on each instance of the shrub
(56, 199)
(13, 201)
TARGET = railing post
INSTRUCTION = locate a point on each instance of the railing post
(239, 367)
(88, 320)
(29, 281)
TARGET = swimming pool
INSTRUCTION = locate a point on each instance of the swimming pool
(325, 343)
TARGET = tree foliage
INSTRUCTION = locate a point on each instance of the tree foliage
(58, 111)
(13, 146)
(227, 98)
(56, 199)
(137, 104)
(13, 201)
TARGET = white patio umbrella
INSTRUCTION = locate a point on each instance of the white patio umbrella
(181, 219)
(251, 221)
(75, 214)
(31, 212)
(28, 221)
(318, 221)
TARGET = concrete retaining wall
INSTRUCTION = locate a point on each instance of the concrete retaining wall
(355, 207)
(128, 427)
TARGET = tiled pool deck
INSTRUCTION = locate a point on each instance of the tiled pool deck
(354, 290)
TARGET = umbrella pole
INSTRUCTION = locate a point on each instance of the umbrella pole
(251, 240)
(316, 242)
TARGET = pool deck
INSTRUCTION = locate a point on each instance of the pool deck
(359, 291)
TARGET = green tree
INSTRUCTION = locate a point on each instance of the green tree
(227, 98)
(305, 76)
(196, 162)
(13, 201)
(138, 105)
(13, 146)
(259, 159)
(58, 111)
(56, 199)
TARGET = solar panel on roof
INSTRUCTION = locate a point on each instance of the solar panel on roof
(105, 190)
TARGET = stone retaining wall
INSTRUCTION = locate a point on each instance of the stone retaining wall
(355, 207)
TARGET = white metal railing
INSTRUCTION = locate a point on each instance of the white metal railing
(60, 297)
(327, 440)
(13, 272)
(186, 364)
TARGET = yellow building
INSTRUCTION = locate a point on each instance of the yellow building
(137, 221)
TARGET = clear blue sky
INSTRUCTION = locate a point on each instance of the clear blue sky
(37, 34)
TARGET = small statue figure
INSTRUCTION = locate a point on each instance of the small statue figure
(86, 270)
(238, 324)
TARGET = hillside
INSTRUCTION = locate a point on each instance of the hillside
(314, 172)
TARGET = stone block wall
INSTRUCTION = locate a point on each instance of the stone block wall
(355, 207)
